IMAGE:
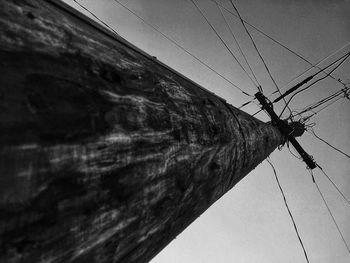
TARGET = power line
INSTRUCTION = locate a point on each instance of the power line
(237, 44)
(96, 17)
(246, 103)
(325, 100)
(316, 66)
(274, 40)
(330, 213)
(297, 86)
(318, 111)
(290, 213)
(335, 186)
(168, 38)
(340, 151)
(296, 93)
(257, 50)
(221, 39)
(329, 104)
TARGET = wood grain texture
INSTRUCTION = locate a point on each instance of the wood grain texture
(106, 155)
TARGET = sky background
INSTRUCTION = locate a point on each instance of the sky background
(250, 223)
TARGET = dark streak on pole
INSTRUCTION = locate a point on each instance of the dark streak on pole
(105, 154)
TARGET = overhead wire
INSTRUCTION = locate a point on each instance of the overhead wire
(288, 209)
(165, 36)
(182, 48)
(297, 86)
(330, 145)
(96, 17)
(253, 42)
(246, 103)
(221, 40)
(329, 211)
(272, 39)
(334, 185)
(238, 45)
(329, 104)
(316, 66)
(331, 214)
(325, 100)
(259, 54)
(343, 59)
(203, 63)
(318, 111)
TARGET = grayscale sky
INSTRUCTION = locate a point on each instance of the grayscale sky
(251, 223)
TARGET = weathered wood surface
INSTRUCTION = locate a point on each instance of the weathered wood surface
(105, 155)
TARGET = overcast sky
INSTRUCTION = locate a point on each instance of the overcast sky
(251, 223)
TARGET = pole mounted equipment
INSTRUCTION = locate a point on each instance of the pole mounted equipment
(289, 131)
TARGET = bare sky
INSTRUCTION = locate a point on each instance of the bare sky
(250, 223)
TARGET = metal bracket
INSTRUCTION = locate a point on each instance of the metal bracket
(285, 129)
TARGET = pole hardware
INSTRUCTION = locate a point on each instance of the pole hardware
(286, 129)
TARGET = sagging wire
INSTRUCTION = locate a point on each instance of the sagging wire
(288, 209)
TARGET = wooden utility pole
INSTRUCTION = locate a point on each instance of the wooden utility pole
(106, 155)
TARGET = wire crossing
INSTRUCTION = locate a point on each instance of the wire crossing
(277, 42)
(289, 212)
(261, 57)
(343, 92)
(221, 39)
(342, 60)
(166, 37)
(238, 45)
(317, 66)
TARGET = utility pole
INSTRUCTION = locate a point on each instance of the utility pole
(106, 154)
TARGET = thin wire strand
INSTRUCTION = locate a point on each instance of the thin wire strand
(96, 17)
(316, 112)
(335, 186)
(274, 40)
(257, 112)
(257, 50)
(237, 44)
(329, 104)
(323, 101)
(334, 148)
(246, 103)
(222, 40)
(316, 66)
(330, 213)
(307, 87)
(286, 204)
(178, 45)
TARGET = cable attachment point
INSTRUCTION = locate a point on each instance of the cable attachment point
(286, 129)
